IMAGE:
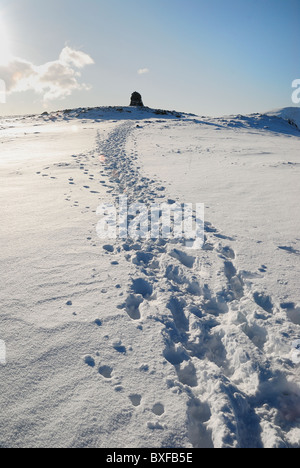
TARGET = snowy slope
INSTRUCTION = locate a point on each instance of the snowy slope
(145, 343)
(291, 114)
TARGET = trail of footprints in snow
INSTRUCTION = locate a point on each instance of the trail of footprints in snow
(193, 310)
(191, 304)
(85, 163)
(106, 372)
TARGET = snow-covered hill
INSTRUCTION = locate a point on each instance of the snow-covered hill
(291, 114)
(144, 342)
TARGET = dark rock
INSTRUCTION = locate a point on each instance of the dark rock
(136, 100)
(160, 112)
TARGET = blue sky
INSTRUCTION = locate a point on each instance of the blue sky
(210, 57)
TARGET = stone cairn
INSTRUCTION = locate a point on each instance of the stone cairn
(136, 100)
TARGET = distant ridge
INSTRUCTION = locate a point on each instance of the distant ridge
(290, 114)
(77, 112)
(284, 121)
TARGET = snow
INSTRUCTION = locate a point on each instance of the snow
(291, 114)
(147, 343)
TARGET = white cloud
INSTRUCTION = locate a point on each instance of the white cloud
(76, 58)
(53, 80)
(143, 71)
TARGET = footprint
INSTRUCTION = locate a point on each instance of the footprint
(209, 227)
(106, 371)
(142, 258)
(142, 287)
(132, 306)
(135, 399)
(175, 356)
(221, 236)
(187, 375)
(287, 305)
(229, 270)
(228, 252)
(158, 409)
(177, 308)
(289, 249)
(182, 257)
(258, 335)
(292, 312)
(263, 301)
(155, 426)
(234, 279)
(199, 414)
(108, 248)
(90, 361)
(119, 347)
(119, 388)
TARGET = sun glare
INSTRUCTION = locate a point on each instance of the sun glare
(5, 53)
